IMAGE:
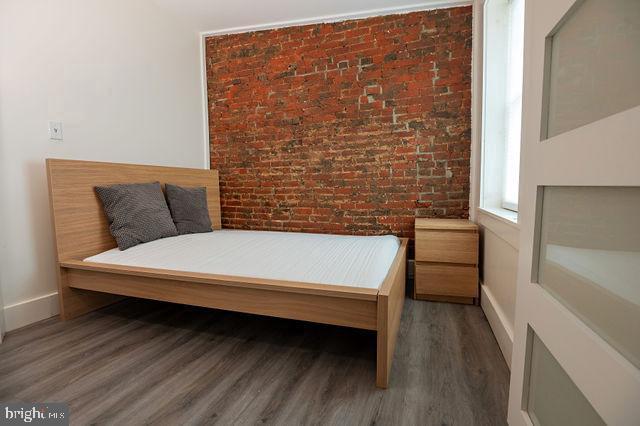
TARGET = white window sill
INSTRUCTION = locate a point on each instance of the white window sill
(507, 216)
(501, 222)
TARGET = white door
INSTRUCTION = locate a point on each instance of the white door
(576, 357)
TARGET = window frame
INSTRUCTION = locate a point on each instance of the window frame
(494, 150)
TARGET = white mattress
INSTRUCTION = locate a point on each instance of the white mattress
(354, 261)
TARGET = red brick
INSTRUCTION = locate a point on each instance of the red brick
(345, 127)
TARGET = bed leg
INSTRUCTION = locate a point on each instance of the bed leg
(383, 362)
(390, 305)
(75, 302)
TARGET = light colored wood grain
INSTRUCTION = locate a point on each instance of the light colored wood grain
(447, 246)
(81, 230)
(308, 307)
(447, 299)
(74, 303)
(368, 309)
(445, 224)
(231, 281)
(446, 280)
(390, 304)
(81, 227)
(446, 268)
(78, 302)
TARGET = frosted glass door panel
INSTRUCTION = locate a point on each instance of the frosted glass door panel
(554, 400)
(589, 259)
(593, 64)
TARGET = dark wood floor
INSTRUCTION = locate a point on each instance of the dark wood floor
(148, 362)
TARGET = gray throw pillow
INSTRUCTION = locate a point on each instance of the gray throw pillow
(189, 209)
(137, 213)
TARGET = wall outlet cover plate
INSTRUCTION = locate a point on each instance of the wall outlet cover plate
(55, 130)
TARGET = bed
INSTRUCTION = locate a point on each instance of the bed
(347, 281)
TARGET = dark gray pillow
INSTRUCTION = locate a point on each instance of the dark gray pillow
(137, 213)
(189, 209)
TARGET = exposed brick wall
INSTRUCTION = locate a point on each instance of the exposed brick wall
(349, 127)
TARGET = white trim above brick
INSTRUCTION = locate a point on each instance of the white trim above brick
(428, 5)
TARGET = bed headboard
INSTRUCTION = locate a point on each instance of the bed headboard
(80, 225)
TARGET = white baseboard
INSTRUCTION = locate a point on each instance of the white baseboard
(498, 322)
(2, 327)
(29, 311)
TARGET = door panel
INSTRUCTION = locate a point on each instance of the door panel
(592, 65)
(552, 398)
(581, 303)
(589, 259)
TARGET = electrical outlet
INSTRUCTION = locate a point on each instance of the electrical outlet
(55, 130)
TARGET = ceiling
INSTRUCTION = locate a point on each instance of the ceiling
(238, 15)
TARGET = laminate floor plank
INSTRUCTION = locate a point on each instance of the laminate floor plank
(145, 362)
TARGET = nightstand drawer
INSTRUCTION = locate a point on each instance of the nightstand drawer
(446, 280)
(447, 247)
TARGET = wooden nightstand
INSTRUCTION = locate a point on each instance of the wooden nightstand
(446, 267)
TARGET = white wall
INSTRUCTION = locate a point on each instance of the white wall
(2, 325)
(499, 270)
(3, 243)
(243, 15)
(499, 235)
(124, 78)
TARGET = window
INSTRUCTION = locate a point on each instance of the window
(502, 105)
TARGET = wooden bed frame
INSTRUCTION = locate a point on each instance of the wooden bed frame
(81, 230)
